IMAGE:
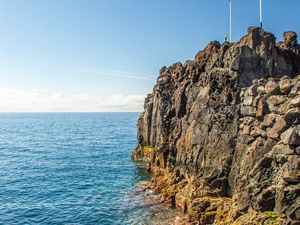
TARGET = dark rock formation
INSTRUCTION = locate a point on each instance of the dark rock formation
(221, 133)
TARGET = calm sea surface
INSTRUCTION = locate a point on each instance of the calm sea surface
(73, 168)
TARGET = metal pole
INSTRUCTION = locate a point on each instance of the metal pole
(260, 12)
(230, 20)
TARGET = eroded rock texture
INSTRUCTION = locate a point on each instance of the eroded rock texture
(221, 133)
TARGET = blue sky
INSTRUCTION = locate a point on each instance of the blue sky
(104, 55)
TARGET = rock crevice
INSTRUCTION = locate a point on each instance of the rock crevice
(221, 133)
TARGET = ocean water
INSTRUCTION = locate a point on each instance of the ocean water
(73, 168)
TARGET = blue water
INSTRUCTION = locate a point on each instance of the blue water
(71, 168)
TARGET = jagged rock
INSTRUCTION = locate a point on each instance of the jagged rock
(295, 101)
(283, 149)
(272, 87)
(274, 102)
(292, 116)
(284, 107)
(256, 131)
(295, 90)
(291, 136)
(272, 133)
(296, 214)
(223, 131)
(247, 120)
(292, 173)
(248, 110)
(297, 150)
(269, 120)
(295, 137)
(262, 108)
(286, 86)
(290, 40)
(279, 126)
(252, 91)
(261, 90)
(286, 136)
(248, 100)
(246, 130)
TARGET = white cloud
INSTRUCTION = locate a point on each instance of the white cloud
(16, 100)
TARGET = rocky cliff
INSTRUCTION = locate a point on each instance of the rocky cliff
(221, 133)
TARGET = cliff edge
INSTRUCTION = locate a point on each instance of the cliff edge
(221, 133)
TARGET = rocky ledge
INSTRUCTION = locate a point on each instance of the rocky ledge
(221, 133)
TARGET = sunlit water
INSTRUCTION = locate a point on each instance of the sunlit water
(65, 168)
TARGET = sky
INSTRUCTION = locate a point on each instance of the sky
(104, 55)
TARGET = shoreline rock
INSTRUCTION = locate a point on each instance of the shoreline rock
(221, 133)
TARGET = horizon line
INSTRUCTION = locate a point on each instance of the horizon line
(76, 112)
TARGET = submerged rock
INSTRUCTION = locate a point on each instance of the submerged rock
(221, 133)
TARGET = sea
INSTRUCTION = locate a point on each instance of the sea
(74, 168)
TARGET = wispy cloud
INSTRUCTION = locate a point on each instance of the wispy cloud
(16, 100)
(106, 72)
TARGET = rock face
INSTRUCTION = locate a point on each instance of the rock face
(221, 133)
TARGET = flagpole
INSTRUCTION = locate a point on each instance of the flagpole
(260, 12)
(230, 19)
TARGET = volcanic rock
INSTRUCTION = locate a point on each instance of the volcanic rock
(221, 133)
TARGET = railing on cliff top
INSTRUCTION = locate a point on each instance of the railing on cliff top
(230, 19)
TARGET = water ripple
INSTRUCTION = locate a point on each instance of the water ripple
(71, 169)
